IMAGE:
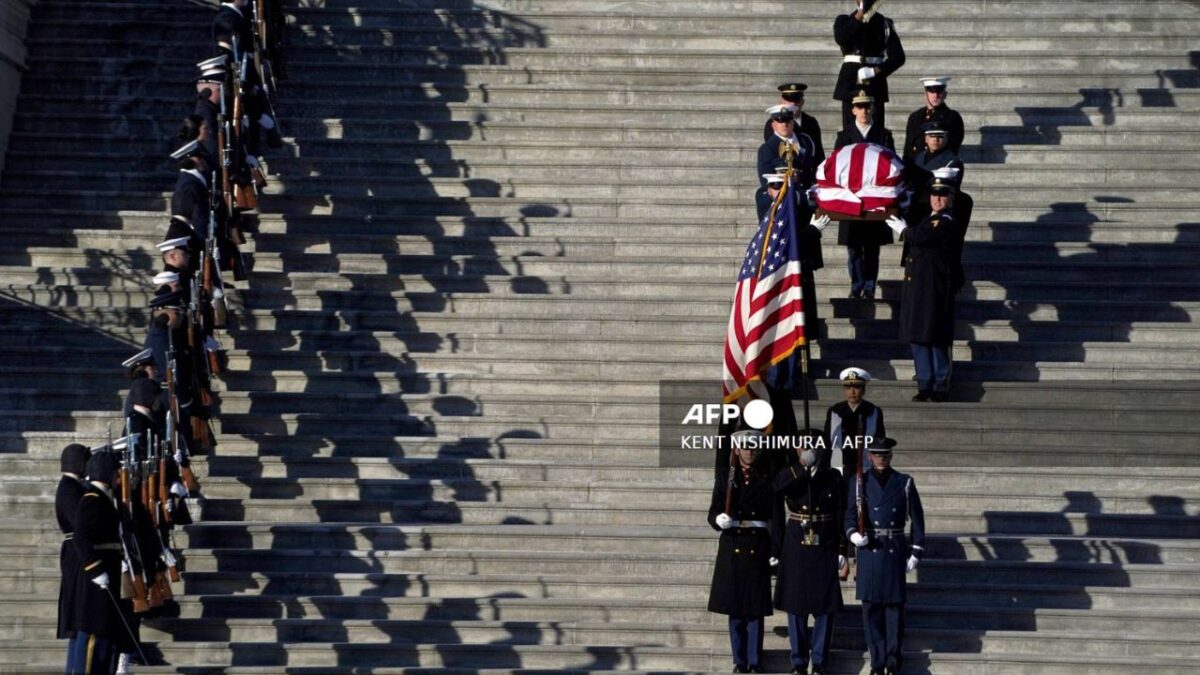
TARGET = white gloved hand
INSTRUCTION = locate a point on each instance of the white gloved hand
(724, 521)
(169, 558)
(178, 456)
(102, 580)
(912, 563)
(774, 561)
(820, 222)
(858, 540)
(866, 73)
(896, 223)
(841, 561)
(124, 567)
(178, 489)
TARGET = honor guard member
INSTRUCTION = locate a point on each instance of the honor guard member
(864, 126)
(94, 621)
(774, 150)
(232, 31)
(190, 200)
(66, 506)
(809, 228)
(213, 76)
(935, 154)
(871, 51)
(145, 407)
(851, 424)
(741, 511)
(927, 296)
(140, 366)
(792, 96)
(809, 504)
(863, 239)
(177, 256)
(934, 110)
(890, 504)
(231, 28)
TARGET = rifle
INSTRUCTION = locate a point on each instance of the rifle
(178, 445)
(167, 510)
(870, 13)
(730, 482)
(137, 579)
(211, 274)
(225, 150)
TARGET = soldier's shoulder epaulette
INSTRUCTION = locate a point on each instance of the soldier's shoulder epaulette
(90, 494)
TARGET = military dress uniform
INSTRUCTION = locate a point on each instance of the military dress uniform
(943, 115)
(890, 503)
(847, 428)
(874, 45)
(809, 513)
(95, 618)
(66, 506)
(741, 582)
(806, 125)
(927, 298)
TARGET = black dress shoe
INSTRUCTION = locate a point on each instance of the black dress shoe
(755, 669)
(799, 671)
(854, 295)
(920, 396)
(939, 397)
(741, 669)
(819, 670)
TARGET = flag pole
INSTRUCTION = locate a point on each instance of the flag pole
(790, 153)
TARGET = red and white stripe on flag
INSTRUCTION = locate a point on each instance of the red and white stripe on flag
(765, 327)
(859, 178)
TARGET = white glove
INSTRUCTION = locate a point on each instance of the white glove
(266, 121)
(178, 489)
(724, 521)
(841, 561)
(774, 561)
(858, 540)
(896, 223)
(102, 580)
(124, 567)
(912, 563)
(169, 557)
(819, 222)
(866, 73)
(178, 456)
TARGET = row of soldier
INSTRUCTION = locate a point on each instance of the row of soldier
(802, 517)
(931, 220)
(117, 504)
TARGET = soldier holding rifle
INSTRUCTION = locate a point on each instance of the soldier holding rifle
(741, 510)
(881, 504)
(871, 51)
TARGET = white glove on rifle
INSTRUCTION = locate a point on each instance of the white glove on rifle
(178, 489)
(865, 73)
(912, 563)
(774, 562)
(819, 222)
(896, 223)
(858, 540)
(101, 581)
(724, 521)
(169, 557)
(841, 561)
(124, 567)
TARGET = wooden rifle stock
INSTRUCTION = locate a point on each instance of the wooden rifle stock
(189, 478)
(154, 594)
(164, 492)
(164, 586)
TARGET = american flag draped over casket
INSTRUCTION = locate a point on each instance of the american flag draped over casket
(859, 180)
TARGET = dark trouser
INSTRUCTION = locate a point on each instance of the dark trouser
(808, 286)
(933, 367)
(878, 118)
(746, 640)
(863, 263)
(884, 628)
(90, 655)
(818, 640)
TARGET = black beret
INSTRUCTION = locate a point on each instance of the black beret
(75, 459)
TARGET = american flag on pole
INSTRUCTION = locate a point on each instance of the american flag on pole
(766, 324)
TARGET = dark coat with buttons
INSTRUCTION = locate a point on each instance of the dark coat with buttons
(881, 563)
(807, 580)
(877, 38)
(741, 583)
(927, 296)
(97, 533)
(66, 506)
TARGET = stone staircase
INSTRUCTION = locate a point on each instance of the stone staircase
(496, 227)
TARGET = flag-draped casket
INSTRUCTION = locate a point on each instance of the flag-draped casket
(860, 181)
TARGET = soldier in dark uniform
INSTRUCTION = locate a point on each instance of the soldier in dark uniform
(890, 503)
(870, 53)
(773, 151)
(741, 583)
(809, 227)
(864, 125)
(94, 620)
(850, 423)
(863, 239)
(190, 201)
(927, 300)
(808, 516)
(66, 506)
(202, 124)
(792, 96)
(934, 110)
(935, 154)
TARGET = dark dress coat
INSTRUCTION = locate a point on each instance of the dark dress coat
(190, 199)
(66, 507)
(96, 540)
(805, 163)
(842, 423)
(230, 22)
(811, 258)
(807, 581)
(914, 134)
(876, 38)
(927, 295)
(741, 583)
(882, 561)
(806, 125)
